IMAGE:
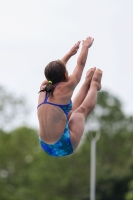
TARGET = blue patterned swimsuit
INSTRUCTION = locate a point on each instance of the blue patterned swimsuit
(63, 146)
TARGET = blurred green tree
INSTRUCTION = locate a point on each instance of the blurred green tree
(12, 109)
(26, 172)
(129, 195)
(114, 149)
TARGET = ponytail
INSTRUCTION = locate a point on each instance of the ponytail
(49, 88)
(54, 72)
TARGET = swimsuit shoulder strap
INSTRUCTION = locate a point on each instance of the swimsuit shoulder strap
(56, 85)
(47, 96)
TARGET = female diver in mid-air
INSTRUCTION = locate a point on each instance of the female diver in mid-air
(61, 122)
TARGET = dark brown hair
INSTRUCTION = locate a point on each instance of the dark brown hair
(54, 72)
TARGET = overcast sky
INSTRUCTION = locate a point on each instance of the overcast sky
(35, 32)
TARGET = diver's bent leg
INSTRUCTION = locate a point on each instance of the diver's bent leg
(77, 118)
(80, 96)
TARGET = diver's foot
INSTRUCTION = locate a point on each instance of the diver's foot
(89, 75)
(96, 79)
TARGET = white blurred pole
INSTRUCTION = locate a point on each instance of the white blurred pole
(93, 169)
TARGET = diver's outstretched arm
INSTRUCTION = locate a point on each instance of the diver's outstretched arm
(72, 52)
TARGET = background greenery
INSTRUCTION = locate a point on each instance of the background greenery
(26, 172)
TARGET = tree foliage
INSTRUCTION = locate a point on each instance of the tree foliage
(26, 172)
(129, 195)
(12, 109)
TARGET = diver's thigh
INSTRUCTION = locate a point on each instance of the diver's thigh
(76, 126)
